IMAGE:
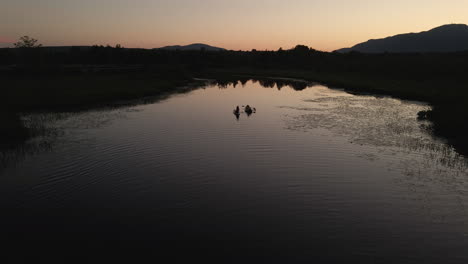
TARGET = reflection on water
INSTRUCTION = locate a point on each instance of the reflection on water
(391, 134)
(314, 175)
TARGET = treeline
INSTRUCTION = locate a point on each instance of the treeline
(300, 57)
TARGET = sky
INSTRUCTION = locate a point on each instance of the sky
(233, 24)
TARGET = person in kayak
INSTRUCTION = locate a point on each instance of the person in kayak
(248, 110)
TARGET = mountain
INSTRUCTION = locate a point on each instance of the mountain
(447, 38)
(196, 46)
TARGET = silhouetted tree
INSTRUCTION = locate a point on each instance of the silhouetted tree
(28, 54)
(27, 42)
(301, 48)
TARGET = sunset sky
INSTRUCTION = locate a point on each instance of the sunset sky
(232, 24)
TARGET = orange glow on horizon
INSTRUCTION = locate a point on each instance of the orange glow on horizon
(235, 25)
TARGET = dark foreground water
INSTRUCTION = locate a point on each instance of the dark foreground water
(315, 176)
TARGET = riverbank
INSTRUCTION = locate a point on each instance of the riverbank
(430, 89)
(77, 91)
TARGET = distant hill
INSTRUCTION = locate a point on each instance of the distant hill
(196, 46)
(447, 38)
(6, 45)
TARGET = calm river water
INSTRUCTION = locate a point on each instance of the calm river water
(316, 174)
